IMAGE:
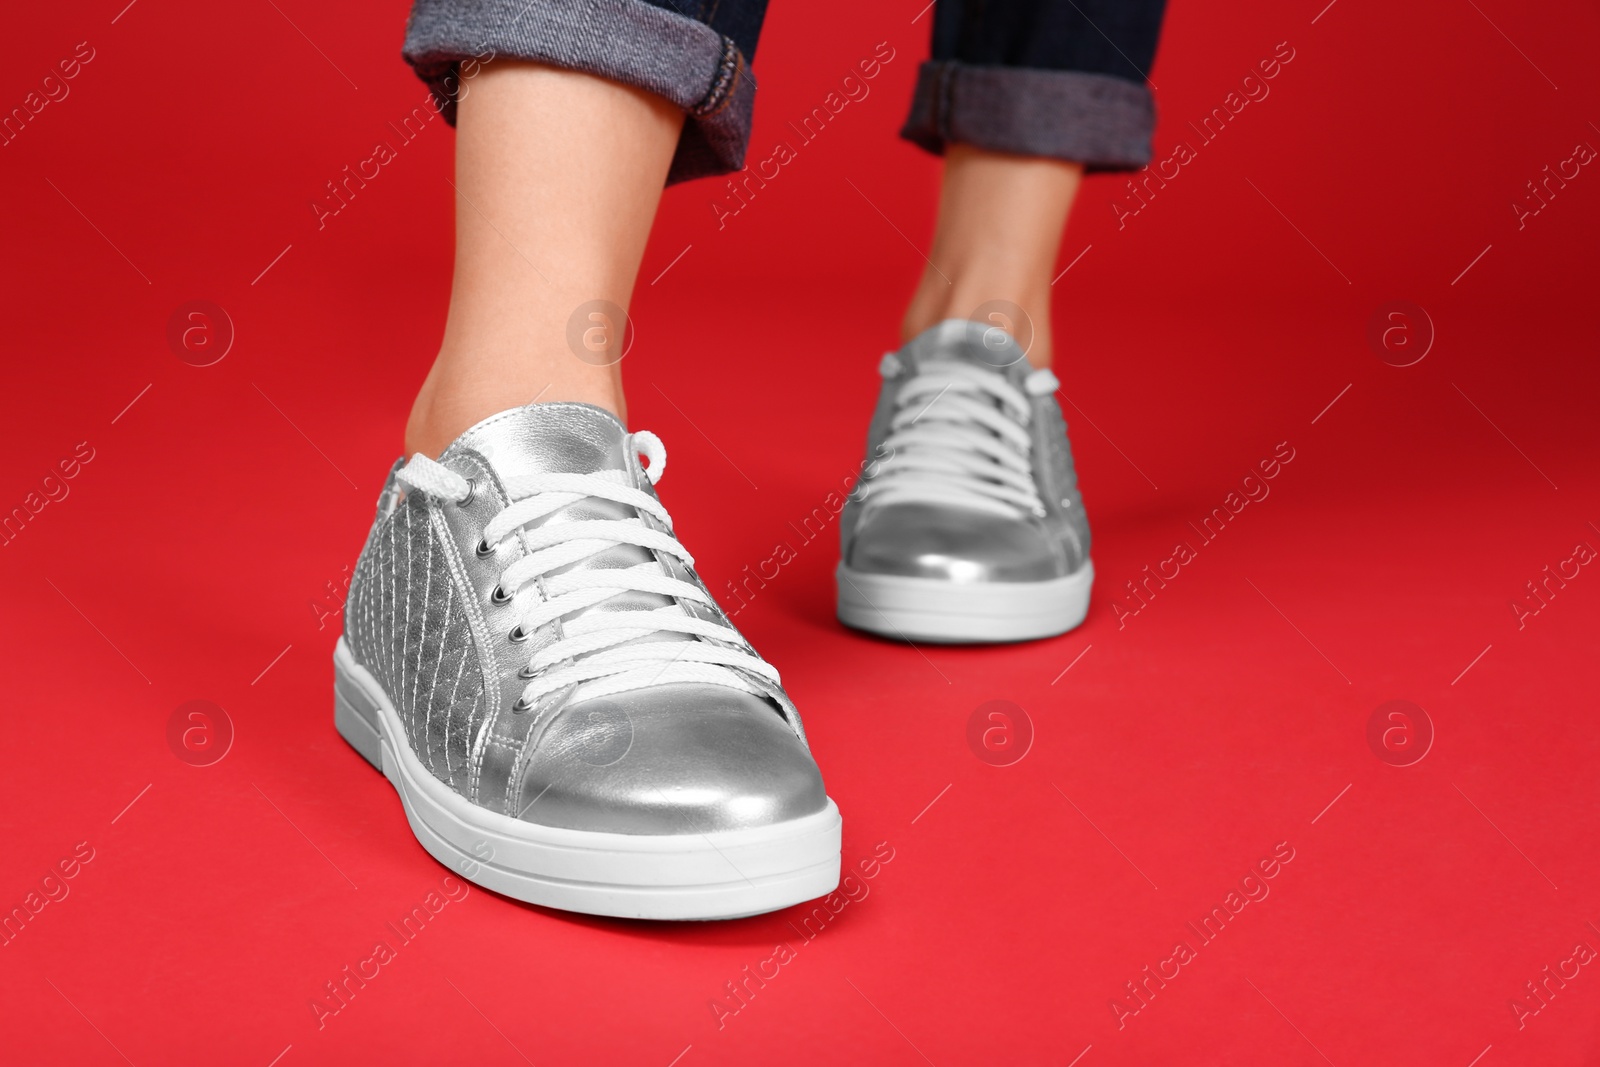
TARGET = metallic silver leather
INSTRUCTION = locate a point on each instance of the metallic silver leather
(670, 760)
(422, 620)
(408, 624)
(959, 544)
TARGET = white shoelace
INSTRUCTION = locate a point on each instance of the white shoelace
(959, 438)
(604, 652)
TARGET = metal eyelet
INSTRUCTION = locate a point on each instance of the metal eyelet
(521, 707)
(517, 636)
(499, 596)
(472, 491)
(484, 549)
(526, 673)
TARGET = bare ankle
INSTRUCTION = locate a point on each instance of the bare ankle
(996, 243)
(445, 408)
(1024, 317)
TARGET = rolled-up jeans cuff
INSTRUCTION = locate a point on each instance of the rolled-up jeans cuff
(627, 41)
(1099, 120)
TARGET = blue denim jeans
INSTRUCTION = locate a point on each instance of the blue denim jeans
(1063, 79)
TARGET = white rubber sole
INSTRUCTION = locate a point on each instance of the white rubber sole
(721, 875)
(928, 609)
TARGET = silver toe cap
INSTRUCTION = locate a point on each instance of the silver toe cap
(955, 545)
(672, 759)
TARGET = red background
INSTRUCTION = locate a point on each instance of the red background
(1191, 739)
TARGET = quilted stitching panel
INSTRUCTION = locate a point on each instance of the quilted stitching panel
(407, 625)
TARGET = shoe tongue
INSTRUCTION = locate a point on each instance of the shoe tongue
(567, 438)
(964, 341)
(558, 438)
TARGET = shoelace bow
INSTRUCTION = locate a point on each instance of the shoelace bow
(959, 437)
(607, 652)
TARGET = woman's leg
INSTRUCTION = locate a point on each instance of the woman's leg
(967, 524)
(527, 653)
(1020, 98)
(999, 229)
(558, 175)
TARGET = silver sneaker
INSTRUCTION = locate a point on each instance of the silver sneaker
(966, 525)
(568, 717)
